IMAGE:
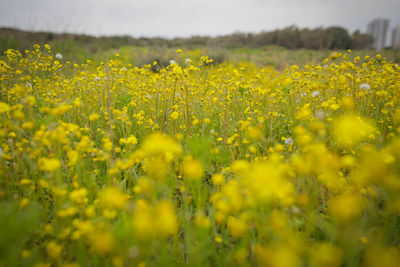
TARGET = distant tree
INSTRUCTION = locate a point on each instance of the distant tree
(264, 38)
(361, 40)
(337, 38)
(289, 37)
(313, 39)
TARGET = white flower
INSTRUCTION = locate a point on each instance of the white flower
(319, 114)
(188, 60)
(58, 56)
(172, 62)
(97, 78)
(315, 93)
(365, 86)
(123, 69)
(289, 141)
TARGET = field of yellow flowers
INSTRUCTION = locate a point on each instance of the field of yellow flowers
(197, 164)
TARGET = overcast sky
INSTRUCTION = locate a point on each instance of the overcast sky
(183, 18)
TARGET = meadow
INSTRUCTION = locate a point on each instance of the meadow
(192, 162)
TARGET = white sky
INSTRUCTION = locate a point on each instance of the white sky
(183, 18)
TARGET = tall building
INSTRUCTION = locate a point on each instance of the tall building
(378, 30)
(396, 37)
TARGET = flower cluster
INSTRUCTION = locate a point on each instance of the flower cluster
(232, 164)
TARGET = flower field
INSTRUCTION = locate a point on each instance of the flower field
(198, 164)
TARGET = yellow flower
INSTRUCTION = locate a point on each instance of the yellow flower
(218, 179)
(382, 256)
(29, 125)
(77, 102)
(30, 100)
(25, 181)
(54, 250)
(112, 198)
(158, 173)
(4, 107)
(169, 223)
(324, 254)
(345, 207)
(335, 55)
(79, 196)
(73, 157)
(26, 253)
(267, 182)
(146, 221)
(218, 239)
(202, 221)
(351, 130)
(71, 211)
(143, 186)
(131, 140)
(49, 164)
(143, 223)
(175, 115)
(159, 145)
(23, 203)
(277, 257)
(101, 242)
(43, 183)
(70, 265)
(107, 144)
(254, 133)
(236, 226)
(61, 109)
(240, 167)
(94, 116)
(192, 169)
(304, 113)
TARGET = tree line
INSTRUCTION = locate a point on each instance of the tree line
(290, 37)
